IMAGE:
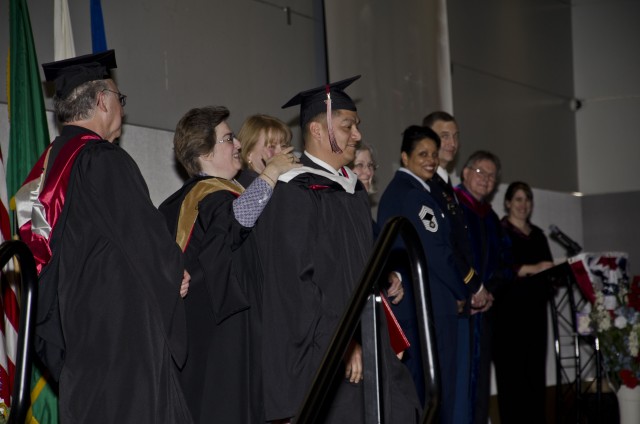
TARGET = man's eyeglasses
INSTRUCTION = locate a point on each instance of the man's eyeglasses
(371, 166)
(482, 174)
(229, 138)
(121, 97)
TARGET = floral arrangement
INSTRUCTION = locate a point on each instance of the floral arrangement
(4, 412)
(615, 319)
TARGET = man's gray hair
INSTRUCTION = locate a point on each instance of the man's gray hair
(483, 155)
(80, 104)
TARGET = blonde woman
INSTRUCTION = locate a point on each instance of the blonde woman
(261, 137)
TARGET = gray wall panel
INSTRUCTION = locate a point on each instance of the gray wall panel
(393, 46)
(512, 82)
(607, 61)
(531, 132)
(611, 224)
(525, 41)
(177, 54)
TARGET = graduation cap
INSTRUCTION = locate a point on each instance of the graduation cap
(321, 99)
(71, 73)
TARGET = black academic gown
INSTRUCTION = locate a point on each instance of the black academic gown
(314, 239)
(118, 275)
(219, 378)
(246, 177)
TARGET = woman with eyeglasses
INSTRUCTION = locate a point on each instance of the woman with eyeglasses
(211, 217)
(261, 137)
(364, 166)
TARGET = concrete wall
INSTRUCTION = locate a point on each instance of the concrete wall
(611, 224)
(517, 68)
(606, 56)
(393, 45)
(177, 54)
(512, 85)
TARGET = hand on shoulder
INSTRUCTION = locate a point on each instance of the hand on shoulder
(279, 164)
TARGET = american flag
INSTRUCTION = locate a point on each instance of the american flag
(9, 306)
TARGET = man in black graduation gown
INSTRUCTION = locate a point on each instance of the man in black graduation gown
(110, 324)
(314, 238)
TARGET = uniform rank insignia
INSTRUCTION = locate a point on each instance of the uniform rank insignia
(428, 218)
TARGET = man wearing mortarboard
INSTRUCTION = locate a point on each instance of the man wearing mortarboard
(110, 325)
(314, 239)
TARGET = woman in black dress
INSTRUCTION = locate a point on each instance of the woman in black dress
(520, 347)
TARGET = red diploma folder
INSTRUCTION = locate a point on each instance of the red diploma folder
(399, 342)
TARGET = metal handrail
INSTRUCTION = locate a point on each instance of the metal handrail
(367, 286)
(21, 399)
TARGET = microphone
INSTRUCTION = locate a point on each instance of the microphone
(564, 240)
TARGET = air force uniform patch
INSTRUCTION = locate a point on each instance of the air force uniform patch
(428, 218)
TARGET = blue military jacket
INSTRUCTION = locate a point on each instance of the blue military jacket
(407, 196)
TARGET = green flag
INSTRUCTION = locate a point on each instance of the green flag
(28, 137)
(29, 134)
(44, 403)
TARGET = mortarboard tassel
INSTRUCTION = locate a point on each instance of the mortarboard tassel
(332, 137)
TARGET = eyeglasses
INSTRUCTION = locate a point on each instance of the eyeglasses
(371, 166)
(121, 97)
(229, 138)
(483, 174)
